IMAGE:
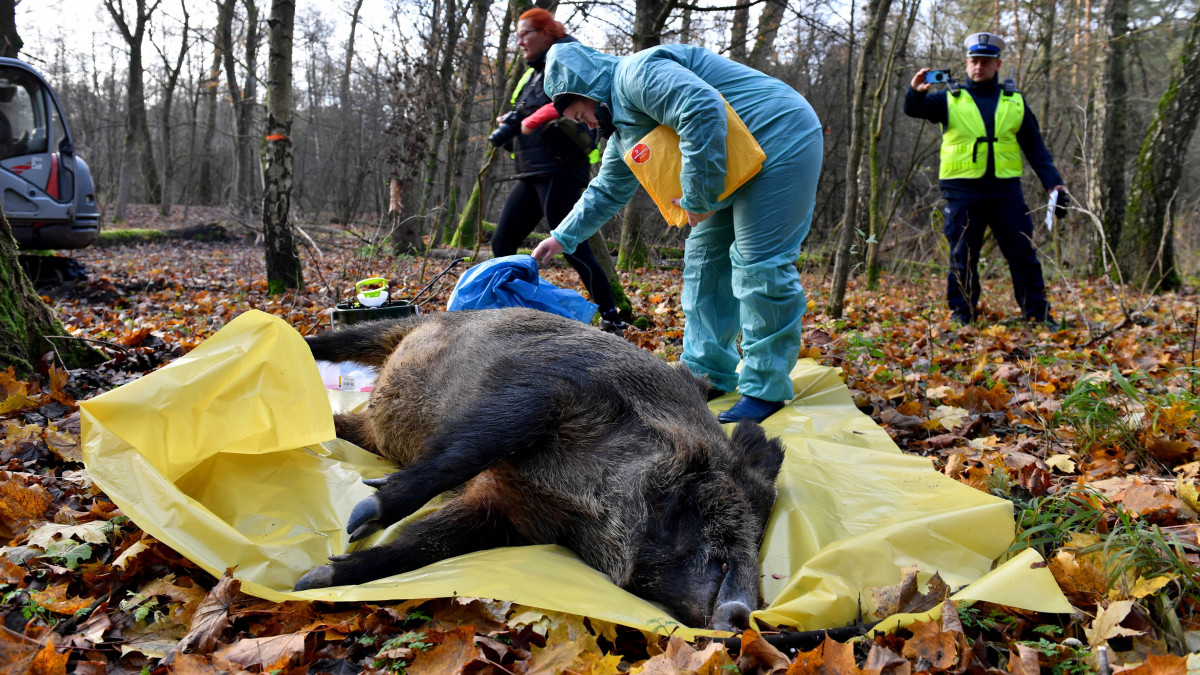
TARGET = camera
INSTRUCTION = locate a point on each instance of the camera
(937, 76)
(509, 127)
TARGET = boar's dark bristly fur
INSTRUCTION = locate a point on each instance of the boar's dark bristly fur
(548, 431)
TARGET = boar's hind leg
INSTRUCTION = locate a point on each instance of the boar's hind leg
(457, 528)
(370, 343)
(484, 435)
(356, 427)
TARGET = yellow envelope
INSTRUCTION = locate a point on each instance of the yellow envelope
(657, 162)
(227, 455)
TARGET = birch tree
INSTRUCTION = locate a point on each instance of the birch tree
(283, 265)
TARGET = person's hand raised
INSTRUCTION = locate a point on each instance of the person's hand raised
(918, 82)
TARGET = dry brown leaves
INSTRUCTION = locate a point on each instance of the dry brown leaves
(983, 401)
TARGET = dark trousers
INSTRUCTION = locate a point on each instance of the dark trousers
(552, 197)
(966, 221)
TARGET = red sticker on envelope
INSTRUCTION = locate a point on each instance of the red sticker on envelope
(640, 153)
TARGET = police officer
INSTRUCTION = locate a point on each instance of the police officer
(986, 126)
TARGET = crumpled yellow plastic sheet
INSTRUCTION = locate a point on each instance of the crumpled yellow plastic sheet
(228, 456)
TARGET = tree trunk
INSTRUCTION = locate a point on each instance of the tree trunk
(877, 12)
(632, 252)
(137, 128)
(248, 106)
(224, 43)
(466, 233)
(12, 43)
(242, 98)
(283, 265)
(877, 221)
(406, 235)
(1146, 251)
(344, 89)
(25, 320)
(737, 33)
(206, 191)
(456, 154)
(187, 196)
(768, 28)
(1045, 58)
(1108, 134)
(649, 18)
(168, 99)
(445, 92)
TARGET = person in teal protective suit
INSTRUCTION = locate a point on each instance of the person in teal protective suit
(739, 260)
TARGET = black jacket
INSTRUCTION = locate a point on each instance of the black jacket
(932, 107)
(535, 155)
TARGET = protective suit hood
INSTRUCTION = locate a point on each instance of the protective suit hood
(572, 68)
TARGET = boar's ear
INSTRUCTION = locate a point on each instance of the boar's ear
(756, 464)
(755, 451)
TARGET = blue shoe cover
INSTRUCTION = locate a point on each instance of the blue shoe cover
(750, 408)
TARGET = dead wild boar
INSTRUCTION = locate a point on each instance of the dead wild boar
(552, 432)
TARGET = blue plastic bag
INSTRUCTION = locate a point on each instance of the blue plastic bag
(512, 281)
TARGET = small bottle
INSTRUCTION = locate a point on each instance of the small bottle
(347, 376)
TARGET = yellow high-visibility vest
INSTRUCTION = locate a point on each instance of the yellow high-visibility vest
(965, 141)
(593, 156)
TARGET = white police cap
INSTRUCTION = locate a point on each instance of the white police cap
(984, 44)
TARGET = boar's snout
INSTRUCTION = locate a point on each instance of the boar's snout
(733, 616)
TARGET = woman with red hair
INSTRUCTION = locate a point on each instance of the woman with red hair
(552, 168)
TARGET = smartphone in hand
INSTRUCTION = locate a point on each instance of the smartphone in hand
(937, 76)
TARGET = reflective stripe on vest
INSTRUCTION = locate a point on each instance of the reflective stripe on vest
(521, 85)
(965, 141)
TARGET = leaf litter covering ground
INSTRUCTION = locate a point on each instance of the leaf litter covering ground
(1091, 431)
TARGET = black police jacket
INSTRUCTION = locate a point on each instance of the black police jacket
(552, 155)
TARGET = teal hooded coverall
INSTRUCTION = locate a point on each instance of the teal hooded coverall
(739, 264)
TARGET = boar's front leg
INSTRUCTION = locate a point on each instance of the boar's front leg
(463, 525)
(491, 429)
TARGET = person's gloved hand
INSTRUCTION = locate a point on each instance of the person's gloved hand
(1064, 200)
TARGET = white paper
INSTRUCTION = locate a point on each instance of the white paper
(1050, 210)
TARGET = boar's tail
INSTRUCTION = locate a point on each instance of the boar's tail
(369, 343)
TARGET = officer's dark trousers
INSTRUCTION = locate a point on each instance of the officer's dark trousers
(966, 221)
(552, 197)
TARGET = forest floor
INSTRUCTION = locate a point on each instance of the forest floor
(1090, 430)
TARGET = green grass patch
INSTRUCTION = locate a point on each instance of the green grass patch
(129, 237)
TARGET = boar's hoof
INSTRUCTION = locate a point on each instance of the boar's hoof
(364, 519)
(730, 616)
(376, 482)
(317, 577)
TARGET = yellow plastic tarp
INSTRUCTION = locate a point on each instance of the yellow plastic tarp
(228, 456)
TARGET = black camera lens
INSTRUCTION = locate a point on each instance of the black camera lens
(509, 127)
(502, 135)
